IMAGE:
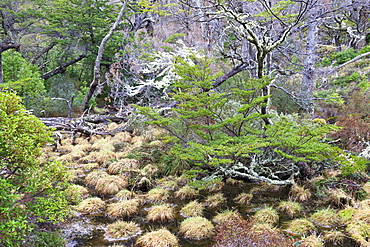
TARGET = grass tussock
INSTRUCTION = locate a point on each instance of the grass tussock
(125, 194)
(228, 215)
(92, 178)
(162, 237)
(312, 241)
(192, 209)
(186, 192)
(122, 230)
(196, 228)
(300, 227)
(267, 215)
(110, 185)
(290, 208)
(123, 209)
(158, 195)
(91, 205)
(213, 201)
(325, 218)
(244, 198)
(161, 213)
(299, 193)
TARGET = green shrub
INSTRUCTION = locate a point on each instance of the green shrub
(30, 192)
(344, 56)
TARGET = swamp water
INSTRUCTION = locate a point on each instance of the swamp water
(89, 229)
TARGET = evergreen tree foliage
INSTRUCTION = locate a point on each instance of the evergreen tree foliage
(224, 131)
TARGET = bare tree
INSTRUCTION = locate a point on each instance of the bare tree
(96, 79)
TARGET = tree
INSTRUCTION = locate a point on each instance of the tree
(31, 192)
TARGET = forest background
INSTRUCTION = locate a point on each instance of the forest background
(290, 76)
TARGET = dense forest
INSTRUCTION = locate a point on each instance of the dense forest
(198, 98)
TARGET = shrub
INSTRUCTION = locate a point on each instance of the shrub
(31, 192)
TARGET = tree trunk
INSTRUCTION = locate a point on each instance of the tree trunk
(96, 79)
(308, 79)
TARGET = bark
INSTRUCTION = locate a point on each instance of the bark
(96, 79)
(62, 68)
(309, 70)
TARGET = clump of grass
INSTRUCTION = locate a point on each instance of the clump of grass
(363, 215)
(312, 241)
(231, 181)
(91, 166)
(360, 232)
(267, 215)
(334, 237)
(168, 183)
(215, 186)
(339, 198)
(122, 137)
(366, 188)
(103, 145)
(192, 209)
(186, 192)
(77, 191)
(91, 205)
(325, 218)
(244, 198)
(125, 194)
(215, 200)
(347, 214)
(300, 227)
(122, 230)
(290, 208)
(92, 178)
(123, 209)
(123, 165)
(161, 213)
(158, 195)
(196, 228)
(162, 237)
(227, 215)
(149, 170)
(110, 185)
(299, 193)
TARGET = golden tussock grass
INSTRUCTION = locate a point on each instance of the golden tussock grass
(299, 193)
(158, 238)
(215, 200)
(334, 238)
(192, 209)
(158, 195)
(77, 191)
(161, 213)
(267, 215)
(149, 170)
(91, 205)
(122, 165)
(325, 218)
(215, 186)
(101, 157)
(300, 227)
(122, 137)
(92, 178)
(186, 192)
(196, 228)
(244, 198)
(90, 166)
(103, 145)
(109, 185)
(360, 232)
(123, 209)
(125, 194)
(290, 208)
(122, 230)
(227, 216)
(312, 241)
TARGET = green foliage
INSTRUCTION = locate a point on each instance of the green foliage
(219, 129)
(46, 239)
(344, 56)
(174, 37)
(30, 192)
(20, 75)
(345, 80)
